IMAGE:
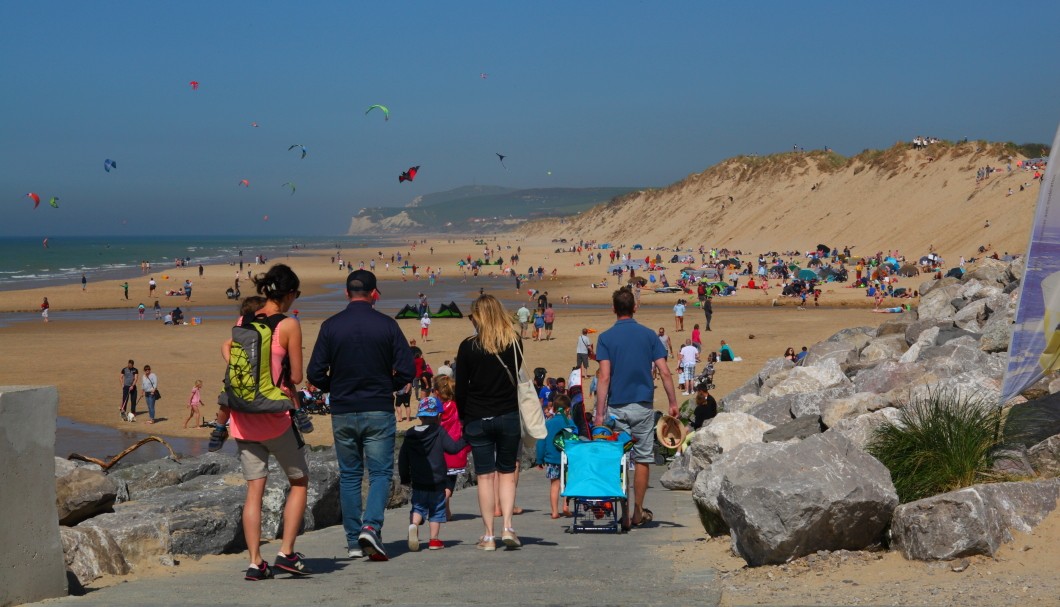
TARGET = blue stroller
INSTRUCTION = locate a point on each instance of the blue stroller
(594, 475)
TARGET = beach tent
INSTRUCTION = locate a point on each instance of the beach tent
(675, 258)
(955, 273)
(807, 275)
(407, 312)
(606, 245)
(824, 249)
(638, 247)
(908, 270)
(449, 310)
(719, 286)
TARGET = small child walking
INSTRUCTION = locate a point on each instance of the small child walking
(455, 463)
(421, 463)
(548, 456)
(194, 402)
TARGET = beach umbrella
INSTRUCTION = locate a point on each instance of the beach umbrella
(824, 249)
(793, 267)
(807, 275)
(925, 260)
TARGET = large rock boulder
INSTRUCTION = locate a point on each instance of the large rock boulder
(997, 333)
(797, 429)
(82, 494)
(824, 374)
(894, 326)
(143, 480)
(936, 304)
(788, 500)
(842, 352)
(850, 407)
(91, 553)
(859, 430)
(988, 271)
(974, 520)
(887, 376)
(1045, 457)
(912, 334)
(886, 347)
(722, 434)
(708, 485)
(679, 475)
(972, 316)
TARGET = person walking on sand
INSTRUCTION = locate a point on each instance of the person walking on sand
(140, 310)
(708, 310)
(129, 375)
(679, 315)
(84, 282)
(151, 286)
(44, 307)
(361, 357)
(149, 386)
(187, 290)
(582, 350)
(523, 314)
(158, 311)
(550, 317)
(625, 390)
(125, 288)
(194, 402)
(425, 325)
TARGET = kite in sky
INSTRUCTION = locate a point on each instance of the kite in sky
(289, 184)
(109, 164)
(254, 124)
(501, 157)
(297, 145)
(194, 85)
(408, 175)
(483, 75)
(382, 108)
(245, 183)
(266, 218)
(36, 199)
(45, 243)
(54, 202)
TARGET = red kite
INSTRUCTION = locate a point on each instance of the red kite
(194, 85)
(408, 175)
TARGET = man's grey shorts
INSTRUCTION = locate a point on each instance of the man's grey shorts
(639, 420)
(289, 455)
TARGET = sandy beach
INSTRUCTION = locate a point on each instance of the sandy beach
(82, 354)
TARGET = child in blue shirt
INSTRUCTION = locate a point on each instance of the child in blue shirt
(548, 455)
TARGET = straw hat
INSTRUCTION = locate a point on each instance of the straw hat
(670, 432)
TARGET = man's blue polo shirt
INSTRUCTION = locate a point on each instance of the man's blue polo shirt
(632, 349)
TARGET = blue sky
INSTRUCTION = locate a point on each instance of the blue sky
(599, 93)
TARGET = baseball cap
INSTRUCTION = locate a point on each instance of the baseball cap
(429, 407)
(361, 281)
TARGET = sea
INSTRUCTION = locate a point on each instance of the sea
(28, 263)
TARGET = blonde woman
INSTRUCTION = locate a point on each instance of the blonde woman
(487, 403)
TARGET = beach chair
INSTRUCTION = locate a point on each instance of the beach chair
(594, 474)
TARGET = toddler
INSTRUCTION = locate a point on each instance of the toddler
(194, 402)
(455, 463)
(548, 456)
(421, 464)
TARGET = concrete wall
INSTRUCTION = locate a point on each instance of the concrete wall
(31, 562)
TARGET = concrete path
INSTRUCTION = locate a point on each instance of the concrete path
(552, 568)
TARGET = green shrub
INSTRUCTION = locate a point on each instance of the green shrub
(941, 442)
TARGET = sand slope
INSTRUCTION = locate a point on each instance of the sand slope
(879, 200)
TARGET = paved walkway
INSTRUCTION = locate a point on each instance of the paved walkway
(552, 568)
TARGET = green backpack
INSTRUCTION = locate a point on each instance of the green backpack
(248, 380)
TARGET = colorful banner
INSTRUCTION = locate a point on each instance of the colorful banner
(1035, 347)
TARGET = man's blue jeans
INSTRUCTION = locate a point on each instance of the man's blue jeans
(364, 440)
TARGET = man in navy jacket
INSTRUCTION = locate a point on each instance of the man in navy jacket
(362, 358)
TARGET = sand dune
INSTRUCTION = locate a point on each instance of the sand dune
(879, 200)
